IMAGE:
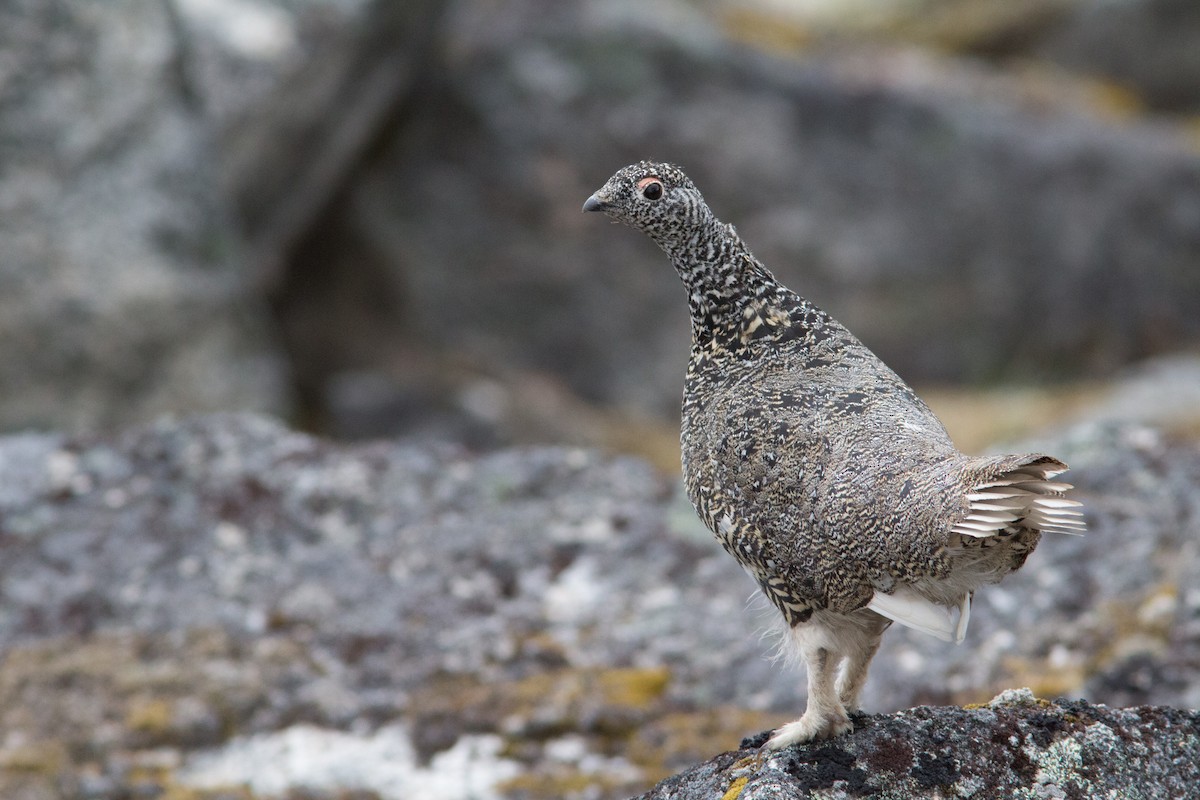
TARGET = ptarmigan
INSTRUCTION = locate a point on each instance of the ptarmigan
(819, 469)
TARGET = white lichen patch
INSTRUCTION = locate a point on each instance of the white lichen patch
(1059, 766)
(1102, 739)
(384, 762)
(969, 787)
(1059, 763)
(255, 30)
(574, 595)
(1014, 697)
(573, 750)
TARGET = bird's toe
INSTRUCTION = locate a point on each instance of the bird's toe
(809, 728)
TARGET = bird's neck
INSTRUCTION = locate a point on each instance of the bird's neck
(722, 278)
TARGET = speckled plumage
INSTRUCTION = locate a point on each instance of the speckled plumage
(818, 468)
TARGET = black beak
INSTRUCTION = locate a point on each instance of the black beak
(594, 203)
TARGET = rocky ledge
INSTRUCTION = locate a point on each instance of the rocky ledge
(1016, 747)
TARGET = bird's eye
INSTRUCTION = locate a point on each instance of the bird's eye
(652, 188)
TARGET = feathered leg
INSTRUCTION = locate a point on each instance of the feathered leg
(825, 717)
(854, 669)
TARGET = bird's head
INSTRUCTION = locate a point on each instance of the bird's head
(653, 197)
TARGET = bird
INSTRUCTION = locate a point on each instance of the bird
(819, 469)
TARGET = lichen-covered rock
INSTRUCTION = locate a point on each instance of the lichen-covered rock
(1016, 747)
(217, 601)
(188, 591)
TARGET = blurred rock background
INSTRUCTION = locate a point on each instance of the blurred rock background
(363, 217)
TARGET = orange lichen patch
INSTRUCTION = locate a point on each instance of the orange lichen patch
(633, 688)
(150, 716)
(555, 784)
(1116, 101)
(622, 713)
(39, 757)
(656, 442)
(675, 739)
(767, 31)
(1190, 125)
(735, 788)
(145, 697)
(173, 791)
(978, 25)
(1044, 679)
(611, 702)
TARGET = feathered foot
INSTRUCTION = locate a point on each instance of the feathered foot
(846, 641)
(825, 716)
(854, 669)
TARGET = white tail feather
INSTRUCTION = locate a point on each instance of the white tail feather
(977, 528)
(1007, 495)
(1004, 505)
(964, 616)
(987, 517)
(1056, 502)
(908, 608)
(1046, 487)
(1024, 494)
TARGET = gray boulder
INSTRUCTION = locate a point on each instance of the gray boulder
(1145, 46)
(400, 182)
(964, 227)
(121, 295)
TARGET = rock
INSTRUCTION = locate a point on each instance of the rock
(240, 56)
(185, 601)
(122, 297)
(1139, 54)
(393, 189)
(926, 202)
(1147, 46)
(1161, 393)
(221, 585)
(296, 95)
(1016, 746)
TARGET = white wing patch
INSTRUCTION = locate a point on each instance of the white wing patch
(1021, 498)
